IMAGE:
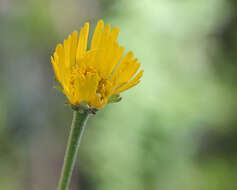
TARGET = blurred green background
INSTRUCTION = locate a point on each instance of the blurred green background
(177, 130)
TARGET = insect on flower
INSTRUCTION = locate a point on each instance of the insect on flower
(98, 75)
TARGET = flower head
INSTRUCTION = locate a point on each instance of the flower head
(95, 75)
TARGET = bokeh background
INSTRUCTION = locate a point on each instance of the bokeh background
(176, 130)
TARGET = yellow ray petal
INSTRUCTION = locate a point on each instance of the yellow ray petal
(56, 69)
(87, 86)
(59, 61)
(82, 42)
(97, 34)
(67, 44)
(105, 37)
(130, 84)
(128, 72)
(74, 45)
(115, 33)
(115, 55)
(126, 59)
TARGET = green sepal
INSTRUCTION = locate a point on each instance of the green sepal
(59, 88)
(115, 98)
(55, 78)
(84, 107)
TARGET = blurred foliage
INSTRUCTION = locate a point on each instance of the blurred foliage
(175, 130)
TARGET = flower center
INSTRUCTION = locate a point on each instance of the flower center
(104, 88)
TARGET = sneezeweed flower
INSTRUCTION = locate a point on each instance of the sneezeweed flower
(91, 78)
(98, 75)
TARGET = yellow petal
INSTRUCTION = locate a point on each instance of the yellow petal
(82, 43)
(97, 34)
(130, 84)
(56, 69)
(87, 87)
(128, 72)
(74, 45)
(105, 36)
(115, 33)
(120, 68)
(115, 54)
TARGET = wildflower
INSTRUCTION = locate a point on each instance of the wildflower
(97, 75)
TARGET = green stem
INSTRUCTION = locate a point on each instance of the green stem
(77, 128)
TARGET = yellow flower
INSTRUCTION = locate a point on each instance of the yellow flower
(94, 75)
